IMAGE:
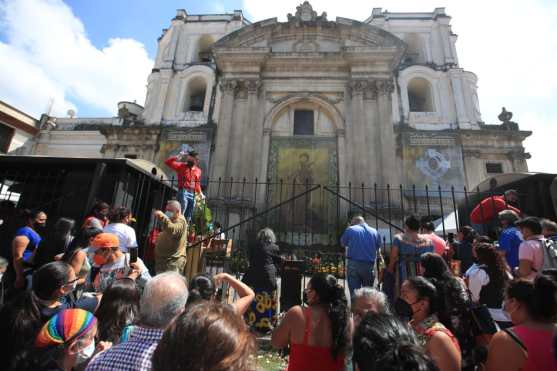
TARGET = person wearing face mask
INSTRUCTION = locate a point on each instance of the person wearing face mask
(419, 302)
(113, 264)
(66, 341)
(528, 345)
(98, 217)
(170, 248)
(21, 318)
(26, 240)
(189, 180)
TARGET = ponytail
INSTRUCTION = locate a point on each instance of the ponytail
(330, 293)
(338, 315)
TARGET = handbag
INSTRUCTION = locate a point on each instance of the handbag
(484, 327)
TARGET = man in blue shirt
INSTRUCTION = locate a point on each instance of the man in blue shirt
(510, 237)
(361, 243)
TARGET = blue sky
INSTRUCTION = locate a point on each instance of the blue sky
(87, 55)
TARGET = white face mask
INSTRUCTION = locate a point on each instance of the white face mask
(84, 354)
(170, 214)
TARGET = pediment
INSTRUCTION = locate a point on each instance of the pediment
(311, 36)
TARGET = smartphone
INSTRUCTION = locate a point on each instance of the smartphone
(133, 254)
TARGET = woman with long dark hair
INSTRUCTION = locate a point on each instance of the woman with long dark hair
(119, 308)
(55, 243)
(21, 318)
(318, 334)
(26, 240)
(528, 345)
(77, 257)
(487, 283)
(453, 304)
(421, 301)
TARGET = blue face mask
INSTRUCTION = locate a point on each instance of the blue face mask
(170, 214)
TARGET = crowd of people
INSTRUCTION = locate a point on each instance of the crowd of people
(90, 303)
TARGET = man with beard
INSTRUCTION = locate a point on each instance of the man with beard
(189, 180)
(26, 240)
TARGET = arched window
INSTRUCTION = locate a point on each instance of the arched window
(415, 51)
(204, 48)
(195, 94)
(420, 97)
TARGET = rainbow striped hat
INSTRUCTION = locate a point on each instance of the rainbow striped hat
(65, 326)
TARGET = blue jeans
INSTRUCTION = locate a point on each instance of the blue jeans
(187, 202)
(359, 274)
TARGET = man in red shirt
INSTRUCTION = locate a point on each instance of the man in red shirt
(488, 209)
(189, 180)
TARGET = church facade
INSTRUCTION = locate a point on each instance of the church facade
(381, 100)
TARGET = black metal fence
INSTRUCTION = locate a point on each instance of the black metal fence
(308, 219)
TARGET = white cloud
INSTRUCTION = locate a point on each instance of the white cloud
(49, 56)
(510, 44)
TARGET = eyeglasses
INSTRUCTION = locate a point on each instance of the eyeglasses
(71, 282)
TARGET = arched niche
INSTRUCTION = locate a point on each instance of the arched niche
(203, 49)
(196, 94)
(420, 95)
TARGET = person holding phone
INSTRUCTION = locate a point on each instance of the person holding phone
(114, 264)
(170, 248)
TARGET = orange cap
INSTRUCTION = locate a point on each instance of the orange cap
(105, 240)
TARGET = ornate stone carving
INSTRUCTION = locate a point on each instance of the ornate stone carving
(305, 13)
(253, 86)
(505, 117)
(366, 87)
(357, 87)
(384, 87)
(228, 86)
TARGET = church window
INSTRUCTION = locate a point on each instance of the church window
(494, 168)
(195, 95)
(204, 48)
(420, 95)
(303, 122)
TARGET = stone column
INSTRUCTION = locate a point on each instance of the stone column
(253, 132)
(220, 157)
(358, 132)
(391, 169)
(372, 136)
(159, 98)
(236, 148)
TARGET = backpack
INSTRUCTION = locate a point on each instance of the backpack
(549, 254)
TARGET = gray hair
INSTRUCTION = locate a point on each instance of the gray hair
(508, 216)
(550, 225)
(175, 204)
(374, 295)
(266, 235)
(164, 297)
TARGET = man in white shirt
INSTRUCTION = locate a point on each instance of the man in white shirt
(119, 220)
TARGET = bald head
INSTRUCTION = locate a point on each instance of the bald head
(164, 297)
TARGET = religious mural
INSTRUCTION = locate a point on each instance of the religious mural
(301, 163)
(433, 161)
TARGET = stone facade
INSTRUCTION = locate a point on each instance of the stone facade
(386, 96)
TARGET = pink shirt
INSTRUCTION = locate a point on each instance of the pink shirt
(439, 244)
(531, 250)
